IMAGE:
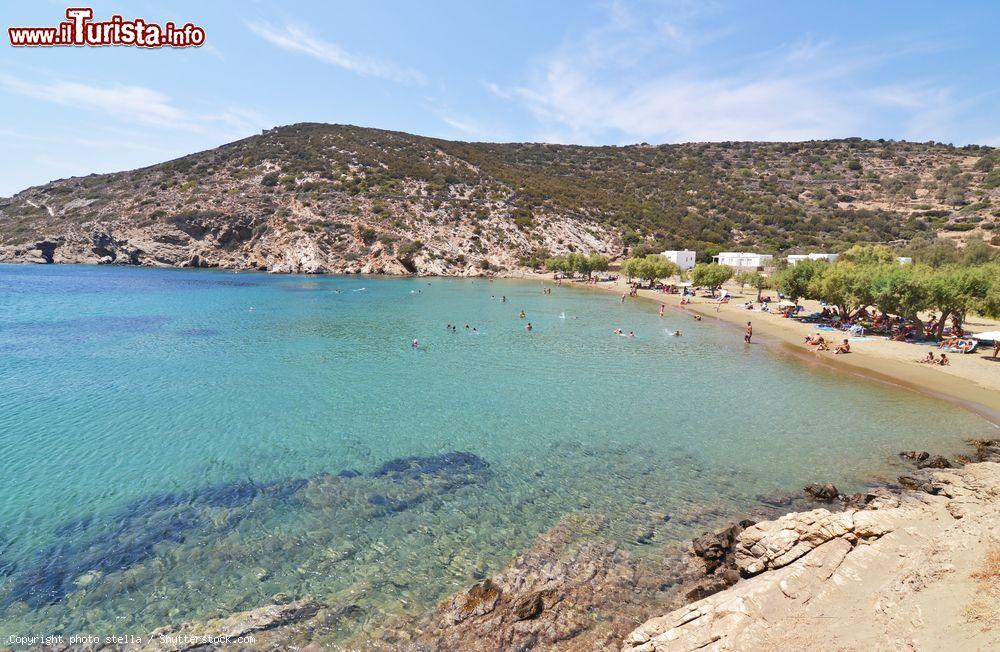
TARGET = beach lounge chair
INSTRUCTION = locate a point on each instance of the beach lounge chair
(958, 348)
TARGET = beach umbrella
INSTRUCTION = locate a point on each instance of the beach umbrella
(990, 336)
(786, 304)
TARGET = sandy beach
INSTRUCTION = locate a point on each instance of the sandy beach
(971, 380)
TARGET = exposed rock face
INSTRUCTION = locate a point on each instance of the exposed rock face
(861, 579)
(311, 198)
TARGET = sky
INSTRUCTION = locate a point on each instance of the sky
(556, 71)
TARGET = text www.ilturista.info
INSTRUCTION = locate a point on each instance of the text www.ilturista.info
(79, 30)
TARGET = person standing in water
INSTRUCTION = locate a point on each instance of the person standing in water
(528, 327)
(416, 344)
(661, 309)
(749, 334)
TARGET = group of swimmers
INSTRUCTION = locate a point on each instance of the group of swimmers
(451, 328)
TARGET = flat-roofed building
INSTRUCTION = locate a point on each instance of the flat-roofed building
(744, 260)
(830, 258)
(684, 258)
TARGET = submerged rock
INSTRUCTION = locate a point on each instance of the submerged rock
(545, 599)
(915, 456)
(987, 450)
(825, 491)
(416, 466)
(934, 462)
(128, 536)
(191, 636)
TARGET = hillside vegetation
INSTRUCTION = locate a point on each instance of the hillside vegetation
(332, 198)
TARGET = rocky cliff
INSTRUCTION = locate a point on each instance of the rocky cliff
(916, 571)
(331, 198)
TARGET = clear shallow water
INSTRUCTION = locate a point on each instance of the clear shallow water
(171, 440)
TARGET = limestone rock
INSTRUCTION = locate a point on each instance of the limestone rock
(873, 578)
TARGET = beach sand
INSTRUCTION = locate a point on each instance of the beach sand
(971, 380)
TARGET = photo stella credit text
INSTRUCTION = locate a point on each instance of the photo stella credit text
(79, 30)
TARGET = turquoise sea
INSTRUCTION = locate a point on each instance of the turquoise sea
(181, 443)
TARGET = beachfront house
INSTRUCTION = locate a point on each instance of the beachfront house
(744, 260)
(830, 258)
(683, 258)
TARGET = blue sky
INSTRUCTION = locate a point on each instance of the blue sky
(571, 72)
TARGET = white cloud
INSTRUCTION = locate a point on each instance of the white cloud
(294, 38)
(134, 104)
(651, 80)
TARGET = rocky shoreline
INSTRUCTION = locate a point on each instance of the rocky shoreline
(751, 584)
(896, 569)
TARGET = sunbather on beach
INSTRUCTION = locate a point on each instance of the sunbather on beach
(843, 348)
(823, 346)
(943, 360)
(929, 359)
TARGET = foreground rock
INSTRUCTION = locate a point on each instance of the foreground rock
(894, 575)
(548, 597)
(225, 631)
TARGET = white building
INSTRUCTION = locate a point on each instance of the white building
(744, 260)
(683, 258)
(830, 258)
(905, 260)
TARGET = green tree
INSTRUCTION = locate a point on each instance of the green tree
(630, 268)
(650, 268)
(955, 291)
(902, 290)
(598, 263)
(755, 280)
(794, 280)
(556, 264)
(844, 285)
(868, 255)
(711, 275)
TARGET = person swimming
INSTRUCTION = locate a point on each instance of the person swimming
(522, 315)
(528, 327)
(416, 344)
(677, 333)
(631, 333)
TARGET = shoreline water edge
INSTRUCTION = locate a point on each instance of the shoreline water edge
(547, 598)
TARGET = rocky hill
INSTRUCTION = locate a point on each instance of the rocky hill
(333, 198)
